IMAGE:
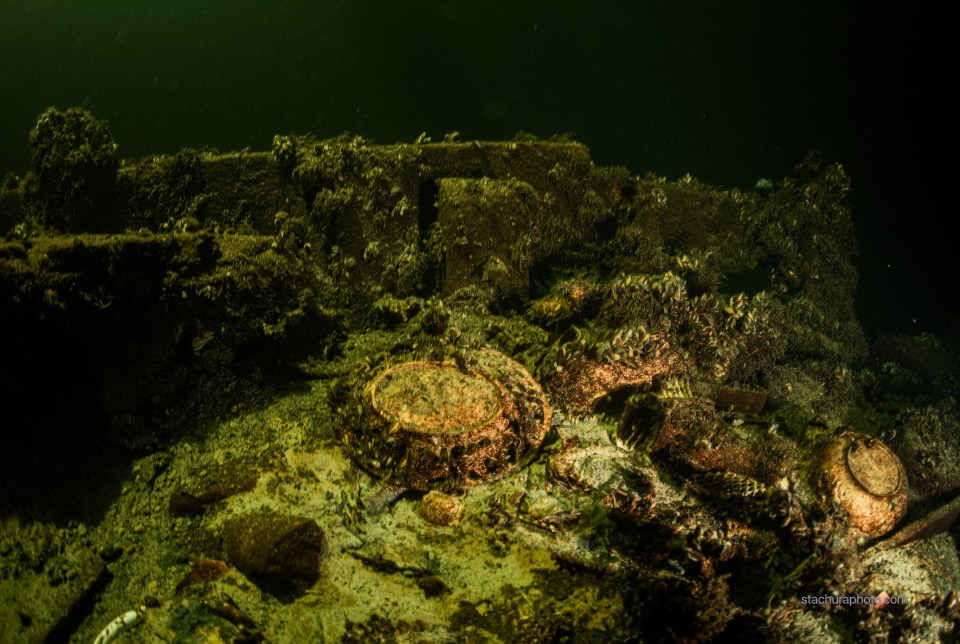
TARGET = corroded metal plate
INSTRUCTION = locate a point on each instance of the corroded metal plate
(875, 467)
(862, 476)
(436, 398)
(435, 423)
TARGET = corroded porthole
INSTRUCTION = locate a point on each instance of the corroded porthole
(434, 423)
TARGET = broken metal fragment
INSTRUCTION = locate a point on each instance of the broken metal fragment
(933, 523)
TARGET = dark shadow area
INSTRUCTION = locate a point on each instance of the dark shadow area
(428, 216)
(57, 469)
(59, 462)
(85, 394)
(80, 610)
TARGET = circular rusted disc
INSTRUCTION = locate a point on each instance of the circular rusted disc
(867, 480)
(429, 424)
(436, 398)
(875, 467)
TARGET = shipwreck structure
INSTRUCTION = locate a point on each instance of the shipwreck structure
(231, 379)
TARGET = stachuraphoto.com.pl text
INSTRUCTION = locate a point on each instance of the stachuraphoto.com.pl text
(883, 599)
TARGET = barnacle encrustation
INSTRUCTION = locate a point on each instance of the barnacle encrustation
(591, 467)
(585, 379)
(694, 438)
(567, 300)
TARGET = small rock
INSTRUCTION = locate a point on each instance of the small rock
(432, 586)
(203, 571)
(110, 552)
(440, 509)
(212, 485)
(278, 552)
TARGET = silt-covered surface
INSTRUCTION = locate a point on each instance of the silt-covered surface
(191, 343)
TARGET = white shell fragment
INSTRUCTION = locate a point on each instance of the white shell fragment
(123, 622)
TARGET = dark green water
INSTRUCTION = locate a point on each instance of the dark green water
(729, 92)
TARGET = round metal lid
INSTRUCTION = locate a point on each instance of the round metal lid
(445, 423)
(874, 467)
(436, 398)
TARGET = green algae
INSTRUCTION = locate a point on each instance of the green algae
(204, 309)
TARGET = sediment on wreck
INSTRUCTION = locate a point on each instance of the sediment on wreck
(704, 334)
